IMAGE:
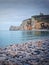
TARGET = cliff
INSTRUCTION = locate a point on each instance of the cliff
(14, 28)
(35, 22)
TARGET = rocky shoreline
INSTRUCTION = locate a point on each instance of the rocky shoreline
(29, 53)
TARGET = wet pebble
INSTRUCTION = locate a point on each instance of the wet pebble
(25, 54)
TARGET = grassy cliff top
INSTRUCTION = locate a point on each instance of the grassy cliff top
(44, 18)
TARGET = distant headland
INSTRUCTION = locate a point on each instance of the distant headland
(35, 22)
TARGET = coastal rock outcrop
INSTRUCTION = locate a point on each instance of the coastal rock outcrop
(35, 22)
(14, 28)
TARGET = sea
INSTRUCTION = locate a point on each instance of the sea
(16, 37)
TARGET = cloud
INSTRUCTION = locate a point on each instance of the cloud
(24, 4)
(13, 12)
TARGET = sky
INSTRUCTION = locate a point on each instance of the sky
(13, 12)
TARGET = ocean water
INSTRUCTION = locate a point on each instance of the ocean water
(14, 37)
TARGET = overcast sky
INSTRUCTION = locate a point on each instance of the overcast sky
(13, 12)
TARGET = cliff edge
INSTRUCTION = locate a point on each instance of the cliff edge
(35, 22)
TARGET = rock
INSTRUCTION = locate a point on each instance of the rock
(2, 58)
(35, 22)
(37, 52)
(25, 54)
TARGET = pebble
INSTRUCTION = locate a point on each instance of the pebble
(28, 53)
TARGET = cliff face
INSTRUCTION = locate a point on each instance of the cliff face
(35, 22)
(14, 28)
(27, 24)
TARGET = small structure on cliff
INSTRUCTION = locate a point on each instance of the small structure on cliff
(35, 22)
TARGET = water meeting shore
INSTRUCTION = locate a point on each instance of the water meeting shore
(29, 53)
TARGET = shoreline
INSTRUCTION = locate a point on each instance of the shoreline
(34, 40)
(32, 30)
(29, 53)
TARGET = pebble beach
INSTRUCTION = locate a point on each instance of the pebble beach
(29, 53)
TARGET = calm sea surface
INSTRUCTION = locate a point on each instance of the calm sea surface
(11, 37)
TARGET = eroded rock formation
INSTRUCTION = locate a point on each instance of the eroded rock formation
(35, 22)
